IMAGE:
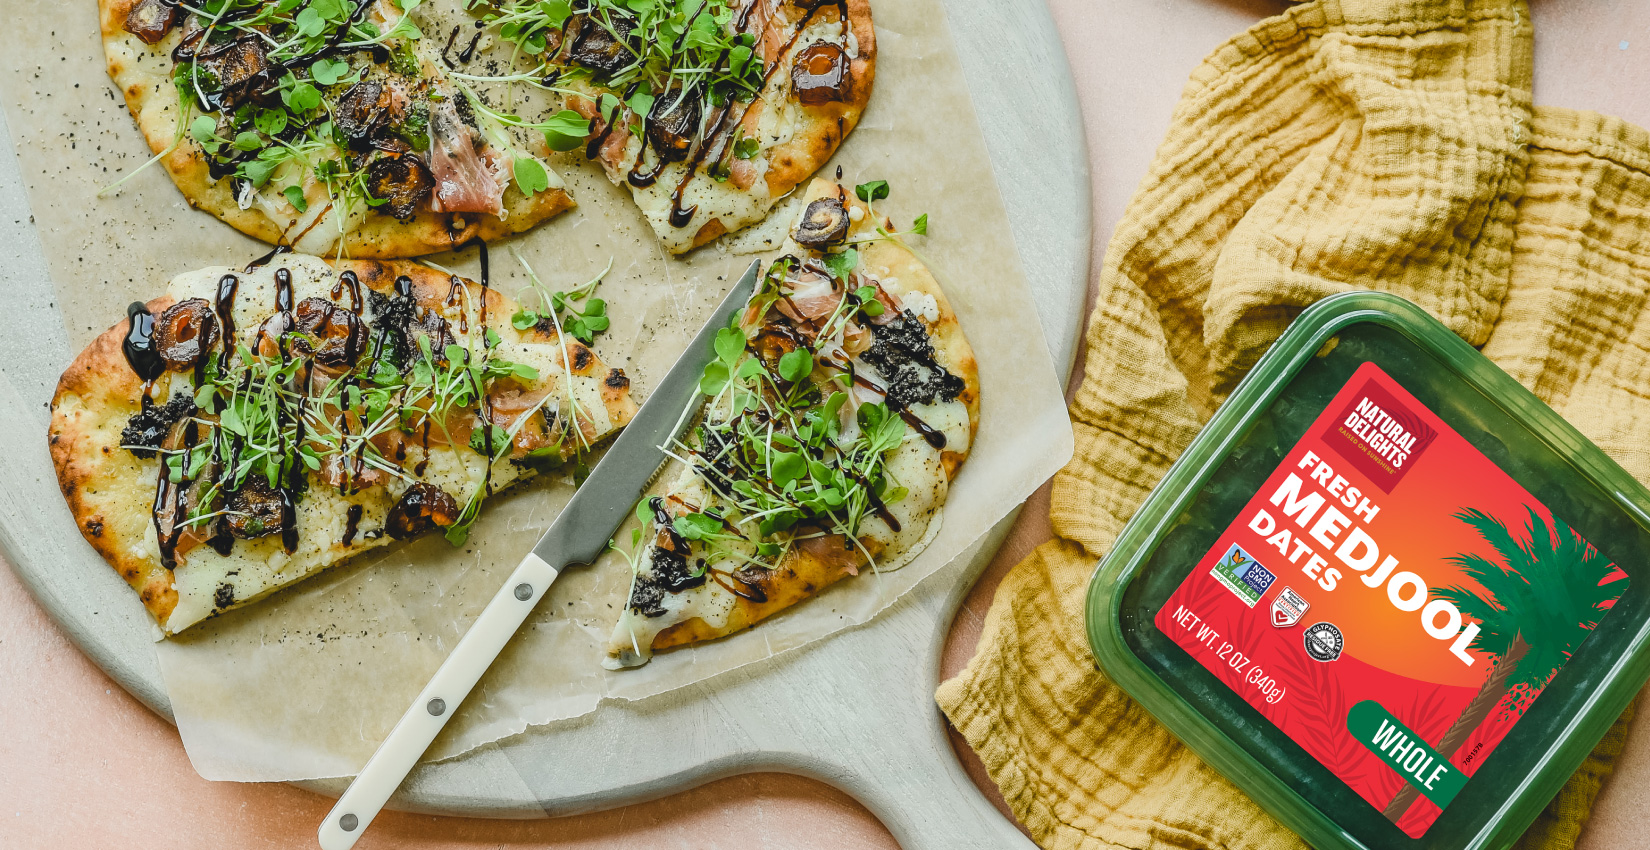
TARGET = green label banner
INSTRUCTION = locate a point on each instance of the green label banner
(1415, 760)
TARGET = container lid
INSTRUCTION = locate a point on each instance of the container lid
(1386, 591)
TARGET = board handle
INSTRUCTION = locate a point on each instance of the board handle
(922, 794)
(436, 704)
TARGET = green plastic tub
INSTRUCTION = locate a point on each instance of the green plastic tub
(1386, 591)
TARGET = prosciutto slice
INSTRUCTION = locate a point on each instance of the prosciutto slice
(812, 302)
(469, 176)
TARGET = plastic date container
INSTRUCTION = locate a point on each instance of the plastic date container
(1386, 591)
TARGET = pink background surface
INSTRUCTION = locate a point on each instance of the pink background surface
(84, 765)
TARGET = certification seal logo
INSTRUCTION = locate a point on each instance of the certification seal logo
(1288, 608)
(1243, 575)
(1323, 641)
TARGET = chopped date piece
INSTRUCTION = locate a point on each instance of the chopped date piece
(333, 336)
(403, 183)
(775, 340)
(820, 74)
(673, 122)
(362, 111)
(185, 333)
(824, 223)
(603, 42)
(753, 578)
(151, 20)
(391, 143)
(147, 428)
(242, 69)
(255, 510)
(436, 330)
(423, 506)
(192, 39)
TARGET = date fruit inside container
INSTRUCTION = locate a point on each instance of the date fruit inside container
(1386, 591)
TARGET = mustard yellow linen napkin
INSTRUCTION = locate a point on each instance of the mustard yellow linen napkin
(1346, 144)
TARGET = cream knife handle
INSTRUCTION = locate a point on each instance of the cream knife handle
(438, 701)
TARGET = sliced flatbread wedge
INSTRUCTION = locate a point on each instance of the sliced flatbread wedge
(361, 401)
(841, 408)
(325, 126)
(708, 112)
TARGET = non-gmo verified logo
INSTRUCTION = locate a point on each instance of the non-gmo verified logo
(1243, 575)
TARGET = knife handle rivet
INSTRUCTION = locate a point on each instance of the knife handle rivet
(349, 822)
(524, 591)
(437, 707)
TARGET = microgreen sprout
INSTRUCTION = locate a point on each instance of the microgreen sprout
(872, 192)
(574, 310)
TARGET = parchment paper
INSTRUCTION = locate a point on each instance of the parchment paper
(306, 683)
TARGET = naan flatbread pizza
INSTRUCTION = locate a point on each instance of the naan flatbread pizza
(252, 427)
(709, 111)
(322, 125)
(841, 407)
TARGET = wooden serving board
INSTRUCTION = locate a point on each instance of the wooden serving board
(855, 710)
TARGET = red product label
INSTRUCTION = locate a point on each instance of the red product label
(1385, 599)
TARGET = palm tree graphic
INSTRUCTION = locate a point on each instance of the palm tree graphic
(1544, 598)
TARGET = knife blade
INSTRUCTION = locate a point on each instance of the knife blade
(578, 535)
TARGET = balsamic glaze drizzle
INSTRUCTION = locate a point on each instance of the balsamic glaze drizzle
(264, 260)
(933, 437)
(283, 291)
(225, 309)
(352, 522)
(469, 52)
(294, 478)
(349, 280)
(139, 345)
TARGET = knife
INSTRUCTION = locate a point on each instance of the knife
(578, 536)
